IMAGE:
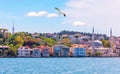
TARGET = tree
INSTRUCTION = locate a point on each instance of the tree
(13, 51)
(3, 33)
(0, 52)
(66, 41)
(19, 39)
(49, 41)
(106, 43)
(89, 53)
(15, 41)
(98, 54)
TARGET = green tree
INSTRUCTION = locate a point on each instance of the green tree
(13, 51)
(66, 41)
(19, 40)
(0, 52)
(98, 54)
(49, 41)
(89, 53)
(106, 43)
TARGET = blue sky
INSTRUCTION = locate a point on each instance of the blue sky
(40, 15)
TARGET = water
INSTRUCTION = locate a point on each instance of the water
(59, 65)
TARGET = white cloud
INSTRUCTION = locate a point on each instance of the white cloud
(77, 4)
(103, 14)
(51, 15)
(78, 23)
(86, 9)
(42, 13)
(31, 14)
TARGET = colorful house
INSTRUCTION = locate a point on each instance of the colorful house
(45, 52)
(36, 52)
(77, 52)
(24, 52)
(58, 50)
(65, 52)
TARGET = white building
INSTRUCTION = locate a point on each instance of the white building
(24, 52)
(98, 47)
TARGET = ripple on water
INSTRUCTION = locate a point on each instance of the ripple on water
(59, 65)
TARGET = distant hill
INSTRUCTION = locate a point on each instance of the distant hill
(83, 34)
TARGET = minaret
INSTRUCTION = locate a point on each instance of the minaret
(93, 40)
(110, 38)
(13, 28)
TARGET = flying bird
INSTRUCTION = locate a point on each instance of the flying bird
(60, 12)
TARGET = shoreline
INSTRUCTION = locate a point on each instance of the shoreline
(67, 57)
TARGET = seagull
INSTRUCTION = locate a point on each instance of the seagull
(60, 12)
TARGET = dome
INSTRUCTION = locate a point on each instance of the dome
(98, 44)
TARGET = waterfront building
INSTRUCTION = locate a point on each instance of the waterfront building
(65, 52)
(118, 51)
(57, 49)
(103, 51)
(77, 52)
(36, 52)
(24, 51)
(98, 48)
(45, 52)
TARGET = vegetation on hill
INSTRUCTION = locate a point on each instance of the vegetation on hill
(14, 41)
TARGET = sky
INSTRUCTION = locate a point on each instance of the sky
(41, 15)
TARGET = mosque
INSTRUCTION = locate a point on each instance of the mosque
(97, 46)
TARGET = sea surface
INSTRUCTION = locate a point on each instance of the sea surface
(59, 65)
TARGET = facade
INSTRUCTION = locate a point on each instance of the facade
(102, 50)
(25, 52)
(36, 52)
(79, 52)
(118, 51)
(57, 50)
(98, 48)
(65, 52)
(96, 45)
(45, 52)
